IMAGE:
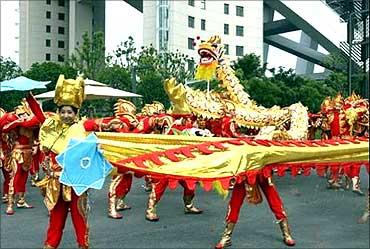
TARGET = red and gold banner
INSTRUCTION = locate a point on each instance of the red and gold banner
(210, 159)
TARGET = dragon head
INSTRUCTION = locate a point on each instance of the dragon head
(211, 53)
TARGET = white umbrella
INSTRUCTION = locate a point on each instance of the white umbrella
(95, 90)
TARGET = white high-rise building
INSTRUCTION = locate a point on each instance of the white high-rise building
(50, 30)
(174, 25)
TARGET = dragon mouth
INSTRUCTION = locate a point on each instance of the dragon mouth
(206, 56)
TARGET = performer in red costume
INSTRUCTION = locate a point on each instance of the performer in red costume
(24, 129)
(158, 188)
(121, 183)
(341, 115)
(37, 158)
(6, 142)
(242, 190)
(55, 133)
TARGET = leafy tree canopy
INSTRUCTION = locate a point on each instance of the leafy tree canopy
(89, 58)
(9, 70)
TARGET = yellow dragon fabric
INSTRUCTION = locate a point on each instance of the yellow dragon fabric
(210, 159)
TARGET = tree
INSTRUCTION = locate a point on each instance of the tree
(249, 66)
(284, 87)
(125, 54)
(49, 71)
(89, 58)
(153, 68)
(9, 70)
(338, 79)
(114, 76)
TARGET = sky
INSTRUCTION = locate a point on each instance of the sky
(118, 11)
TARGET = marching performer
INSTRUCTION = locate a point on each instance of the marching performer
(242, 190)
(6, 143)
(24, 129)
(55, 133)
(159, 186)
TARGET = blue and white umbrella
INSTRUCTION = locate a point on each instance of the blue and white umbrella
(84, 165)
(22, 83)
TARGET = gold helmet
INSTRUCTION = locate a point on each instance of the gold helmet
(123, 107)
(148, 110)
(23, 108)
(69, 92)
(159, 107)
(338, 101)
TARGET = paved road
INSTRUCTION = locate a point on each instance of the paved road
(319, 218)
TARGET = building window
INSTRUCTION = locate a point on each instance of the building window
(226, 47)
(203, 24)
(48, 14)
(48, 2)
(60, 58)
(60, 44)
(239, 30)
(239, 10)
(191, 2)
(48, 43)
(226, 29)
(61, 3)
(203, 4)
(47, 57)
(226, 8)
(48, 28)
(191, 43)
(61, 16)
(239, 50)
(191, 22)
(61, 30)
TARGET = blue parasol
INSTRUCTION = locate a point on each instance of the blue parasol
(21, 83)
(84, 165)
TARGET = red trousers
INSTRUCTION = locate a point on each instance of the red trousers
(6, 175)
(120, 185)
(58, 217)
(36, 160)
(238, 197)
(18, 180)
(160, 186)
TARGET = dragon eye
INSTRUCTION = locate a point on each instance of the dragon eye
(214, 45)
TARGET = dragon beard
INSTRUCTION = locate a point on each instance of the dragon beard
(206, 71)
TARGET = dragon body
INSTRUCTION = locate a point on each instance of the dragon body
(233, 100)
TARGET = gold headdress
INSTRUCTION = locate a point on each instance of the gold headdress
(124, 106)
(148, 110)
(159, 106)
(69, 92)
(23, 108)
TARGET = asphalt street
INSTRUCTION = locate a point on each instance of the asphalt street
(319, 218)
